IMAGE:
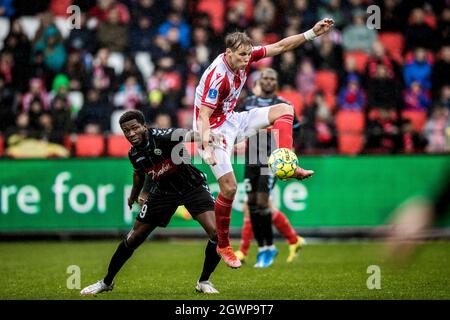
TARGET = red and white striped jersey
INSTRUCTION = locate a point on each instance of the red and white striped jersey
(220, 87)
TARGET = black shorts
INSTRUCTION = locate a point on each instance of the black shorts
(159, 208)
(255, 182)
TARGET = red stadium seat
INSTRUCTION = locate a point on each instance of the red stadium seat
(350, 143)
(350, 121)
(418, 119)
(360, 58)
(394, 43)
(2, 148)
(295, 98)
(327, 81)
(118, 146)
(89, 145)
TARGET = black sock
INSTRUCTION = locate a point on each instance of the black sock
(266, 223)
(211, 260)
(122, 254)
(255, 219)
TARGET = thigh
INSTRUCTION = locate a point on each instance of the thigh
(257, 118)
(198, 201)
(158, 209)
(223, 165)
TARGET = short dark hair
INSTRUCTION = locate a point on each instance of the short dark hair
(132, 114)
(236, 39)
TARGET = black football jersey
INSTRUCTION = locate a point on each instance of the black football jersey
(259, 147)
(166, 162)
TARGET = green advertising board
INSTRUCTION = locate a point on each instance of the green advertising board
(91, 194)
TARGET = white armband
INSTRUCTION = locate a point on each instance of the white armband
(310, 35)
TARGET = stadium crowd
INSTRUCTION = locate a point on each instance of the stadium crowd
(354, 90)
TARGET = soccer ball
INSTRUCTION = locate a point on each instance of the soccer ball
(283, 163)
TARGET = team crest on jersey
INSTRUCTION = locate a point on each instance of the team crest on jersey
(157, 151)
(212, 93)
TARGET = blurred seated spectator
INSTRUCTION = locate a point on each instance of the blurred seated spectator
(163, 120)
(264, 14)
(130, 94)
(444, 97)
(76, 72)
(392, 19)
(60, 113)
(153, 9)
(382, 133)
(8, 105)
(36, 92)
(419, 70)
(416, 98)
(357, 36)
(383, 91)
(102, 77)
(82, 38)
(96, 111)
(328, 54)
(444, 26)
(332, 9)
(441, 70)
(174, 20)
(7, 8)
(437, 130)
(306, 78)
(141, 35)
(103, 8)
(113, 34)
(287, 68)
(411, 140)
(52, 47)
(352, 96)
(377, 57)
(7, 66)
(306, 9)
(418, 33)
(39, 70)
(130, 69)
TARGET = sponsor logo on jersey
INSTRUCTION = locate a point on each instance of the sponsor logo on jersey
(212, 93)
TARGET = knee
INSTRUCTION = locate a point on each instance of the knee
(212, 234)
(229, 190)
(262, 203)
(134, 239)
(287, 109)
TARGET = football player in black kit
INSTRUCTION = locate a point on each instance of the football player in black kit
(259, 181)
(159, 154)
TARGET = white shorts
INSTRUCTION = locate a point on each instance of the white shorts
(235, 129)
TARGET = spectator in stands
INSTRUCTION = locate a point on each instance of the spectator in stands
(113, 33)
(130, 94)
(103, 77)
(131, 70)
(36, 91)
(379, 56)
(201, 49)
(382, 133)
(76, 71)
(35, 113)
(306, 9)
(357, 36)
(383, 91)
(6, 8)
(141, 35)
(436, 130)
(175, 21)
(104, 7)
(444, 97)
(54, 52)
(95, 113)
(8, 105)
(352, 96)
(419, 70)
(441, 70)
(287, 69)
(416, 98)
(61, 121)
(163, 120)
(18, 44)
(411, 141)
(332, 9)
(418, 33)
(392, 18)
(444, 26)
(328, 55)
(7, 66)
(306, 78)
(264, 14)
(153, 9)
(82, 38)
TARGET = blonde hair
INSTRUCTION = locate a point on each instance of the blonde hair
(236, 39)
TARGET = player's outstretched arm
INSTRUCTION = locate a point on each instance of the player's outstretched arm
(292, 42)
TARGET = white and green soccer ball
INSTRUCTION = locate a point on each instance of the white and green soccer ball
(283, 163)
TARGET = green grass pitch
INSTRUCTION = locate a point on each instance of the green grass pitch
(169, 270)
